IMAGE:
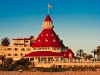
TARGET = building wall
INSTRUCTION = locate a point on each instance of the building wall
(64, 62)
(15, 52)
(21, 42)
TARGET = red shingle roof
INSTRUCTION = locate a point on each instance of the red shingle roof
(68, 51)
(50, 53)
(44, 53)
(48, 38)
(47, 18)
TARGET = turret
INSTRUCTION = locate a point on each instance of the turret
(47, 24)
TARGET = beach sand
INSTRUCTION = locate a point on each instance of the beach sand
(50, 73)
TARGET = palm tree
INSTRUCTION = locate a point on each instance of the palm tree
(94, 52)
(5, 42)
(98, 53)
(79, 53)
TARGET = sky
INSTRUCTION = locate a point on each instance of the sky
(77, 22)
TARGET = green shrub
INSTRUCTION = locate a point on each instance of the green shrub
(3, 69)
(50, 69)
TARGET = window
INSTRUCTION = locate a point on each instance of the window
(16, 49)
(9, 54)
(17, 40)
(16, 54)
(46, 40)
(25, 45)
(54, 48)
(46, 34)
(43, 48)
(28, 49)
(22, 49)
(54, 40)
(41, 34)
(21, 54)
(39, 41)
(5, 49)
(26, 41)
(58, 48)
(51, 34)
(40, 48)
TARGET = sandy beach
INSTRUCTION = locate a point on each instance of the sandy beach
(50, 73)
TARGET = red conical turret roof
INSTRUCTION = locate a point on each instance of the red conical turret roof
(47, 18)
(48, 38)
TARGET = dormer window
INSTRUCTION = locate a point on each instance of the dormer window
(39, 41)
(46, 34)
(41, 34)
(54, 40)
(51, 34)
(70, 55)
(46, 40)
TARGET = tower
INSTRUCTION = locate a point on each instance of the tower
(48, 23)
(48, 39)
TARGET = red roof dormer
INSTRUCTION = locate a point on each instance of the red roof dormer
(47, 18)
(68, 51)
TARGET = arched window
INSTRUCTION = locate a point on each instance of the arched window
(16, 49)
(21, 54)
(22, 49)
(9, 54)
(16, 54)
(28, 49)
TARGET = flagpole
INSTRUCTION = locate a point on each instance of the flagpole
(48, 8)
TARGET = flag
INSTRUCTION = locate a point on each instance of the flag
(49, 6)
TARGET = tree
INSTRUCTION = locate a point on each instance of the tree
(9, 62)
(5, 42)
(22, 62)
(3, 58)
(79, 53)
(31, 37)
(98, 53)
(89, 56)
(84, 55)
(94, 52)
(31, 40)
